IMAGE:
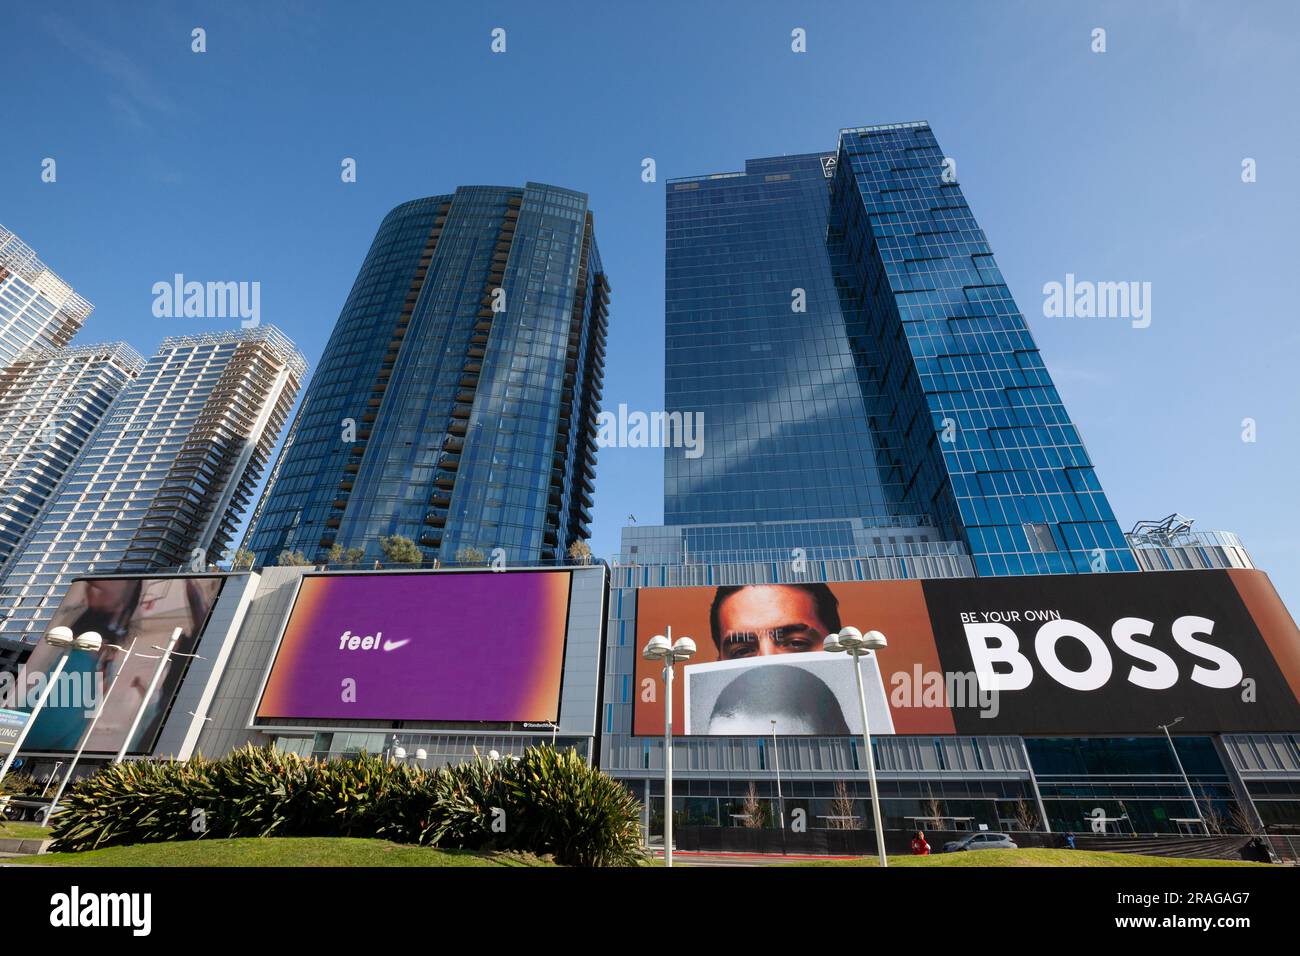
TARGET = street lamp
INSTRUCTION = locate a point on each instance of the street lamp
(85, 737)
(1196, 805)
(61, 638)
(856, 643)
(399, 754)
(661, 648)
(776, 762)
(54, 773)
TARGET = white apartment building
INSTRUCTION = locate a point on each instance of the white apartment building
(51, 402)
(37, 308)
(162, 483)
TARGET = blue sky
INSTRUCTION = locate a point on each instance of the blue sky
(1123, 165)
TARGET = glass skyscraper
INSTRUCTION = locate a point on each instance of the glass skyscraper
(162, 482)
(868, 385)
(875, 408)
(456, 400)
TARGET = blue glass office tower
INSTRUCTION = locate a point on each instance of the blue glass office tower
(863, 372)
(456, 400)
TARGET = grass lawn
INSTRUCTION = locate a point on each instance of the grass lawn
(281, 851)
(1032, 857)
(23, 831)
(342, 851)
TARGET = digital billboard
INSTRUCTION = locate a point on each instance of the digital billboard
(454, 647)
(135, 614)
(1044, 655)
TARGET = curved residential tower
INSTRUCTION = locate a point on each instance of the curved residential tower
(455, 403)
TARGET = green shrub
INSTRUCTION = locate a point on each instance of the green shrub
(19, 785)
(577, 814)
(136, 802)
(468, 798)
(262, 792)
(543, 802)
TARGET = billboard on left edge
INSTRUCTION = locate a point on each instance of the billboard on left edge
(136, 613)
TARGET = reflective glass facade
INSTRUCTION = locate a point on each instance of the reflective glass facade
(839, 320)
(456, 400)
(786, 433)
(976, 428)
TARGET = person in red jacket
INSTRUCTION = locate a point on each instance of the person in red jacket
(919, 846)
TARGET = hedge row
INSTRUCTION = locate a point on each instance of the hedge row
(543, 802)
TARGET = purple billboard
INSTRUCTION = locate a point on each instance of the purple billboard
(465, 646)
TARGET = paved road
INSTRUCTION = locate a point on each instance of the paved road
(690, 858)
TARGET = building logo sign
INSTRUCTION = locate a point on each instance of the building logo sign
(12, 723)
(371, 642)
(828, 166)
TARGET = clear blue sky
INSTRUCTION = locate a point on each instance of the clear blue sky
(1116, 166)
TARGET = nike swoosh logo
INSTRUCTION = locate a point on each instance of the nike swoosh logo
(394, 645)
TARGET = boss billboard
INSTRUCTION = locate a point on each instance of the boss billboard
(1059, 654)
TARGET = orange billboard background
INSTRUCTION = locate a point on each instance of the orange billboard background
(896, 608)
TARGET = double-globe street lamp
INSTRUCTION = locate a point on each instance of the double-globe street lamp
(400, 754)
(63, 639)
(860, 645)
(662, 648)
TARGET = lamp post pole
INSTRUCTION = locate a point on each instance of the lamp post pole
(60, 637)
(148, 694)
(668, 757)
(776, 762)
(53, 774)
(85, 737)
(661, 648)
(1196, 805)
(857, 644)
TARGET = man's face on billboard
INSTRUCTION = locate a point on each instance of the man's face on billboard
(772, 619)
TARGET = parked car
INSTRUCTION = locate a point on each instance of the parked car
(980, 841)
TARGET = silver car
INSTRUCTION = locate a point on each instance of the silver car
(981, 841)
